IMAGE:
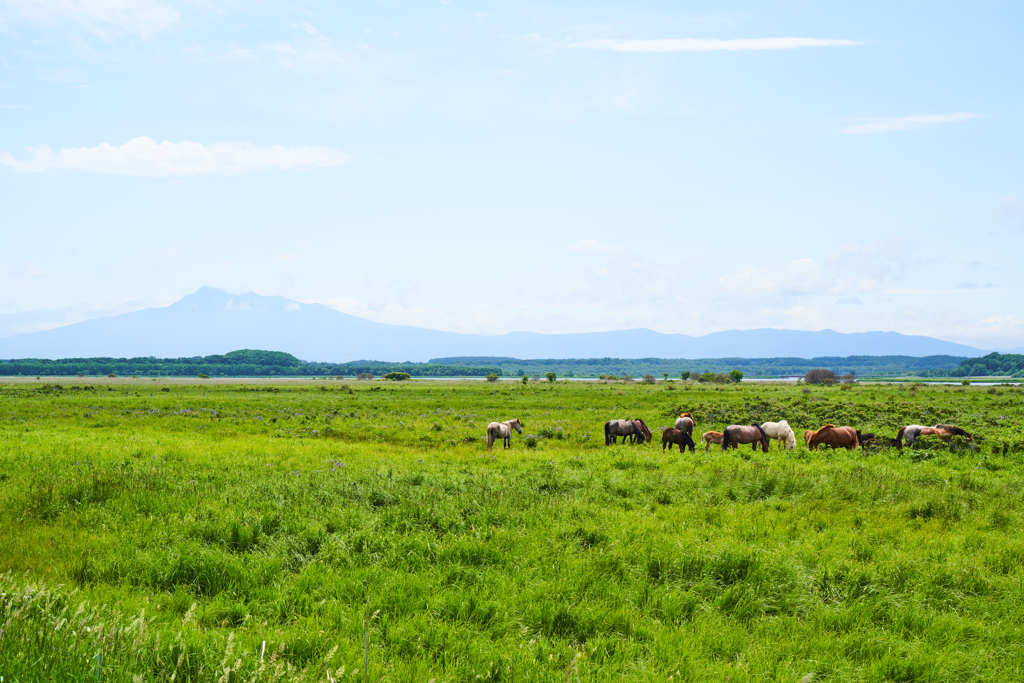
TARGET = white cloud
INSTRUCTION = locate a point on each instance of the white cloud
(144, 156)
(104, 18)
(593, 246)
(711, 44)
(868, 126)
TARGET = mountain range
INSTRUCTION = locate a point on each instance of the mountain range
(213, 321)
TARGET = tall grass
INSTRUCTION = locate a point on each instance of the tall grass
(310, 532)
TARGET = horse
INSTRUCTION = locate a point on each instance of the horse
(866, 440)
(910, 433)
(782, 431)
(710, 438)
(643, 434)
(677, 436)
(503, 431)
(807, 437)
(627, 429)
(737, 434)
(685, 423)
(836, 437)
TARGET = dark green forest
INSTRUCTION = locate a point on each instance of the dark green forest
(253, 363)
(243, 363)
(1005, 364)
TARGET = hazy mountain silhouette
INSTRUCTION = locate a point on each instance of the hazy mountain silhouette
(214, 321)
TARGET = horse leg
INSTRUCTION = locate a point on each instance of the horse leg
(490, 440)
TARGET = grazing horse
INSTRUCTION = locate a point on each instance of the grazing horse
(685, 423)
(710, 438)
(643, 434)
(808, 433)
(737, 434)
(866, 440)
(503, 431)
(677, 436)
(782, 431)
(910, 433)
(836, 437)
(627, 429)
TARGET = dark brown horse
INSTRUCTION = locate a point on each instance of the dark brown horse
(835, 437)
(643, 435)
(676, 436)
(733, 435)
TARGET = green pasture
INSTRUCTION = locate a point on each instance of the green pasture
(332, 531)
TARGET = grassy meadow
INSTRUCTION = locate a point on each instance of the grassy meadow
(337, 531)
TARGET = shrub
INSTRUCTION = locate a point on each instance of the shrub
(203, 375)
(398, 376)
(525, 379)
(965, 382)
(551, 376)
(364, 375)
(820, 376)
(684, 375)
(735, 375)
(492, 377)
(648, 379)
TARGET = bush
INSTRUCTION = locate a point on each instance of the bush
(820, 376)
(364, 375)
(203, 375)
(525, 379)
(398, 376)
(551, 376)
(648, 379)
(735, 375)
(684, 375)
(492, 377)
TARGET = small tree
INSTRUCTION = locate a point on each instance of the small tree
(648, 379)
(665, 375)
(735, 375)
(684, 375)
(397, 376)
(551, 376)
(525, 379)
(492, 377)
(364, 375)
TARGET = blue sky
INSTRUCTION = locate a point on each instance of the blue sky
(496, 166)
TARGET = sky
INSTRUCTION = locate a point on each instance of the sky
(496, 166)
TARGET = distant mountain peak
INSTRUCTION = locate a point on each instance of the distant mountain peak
(211, 320)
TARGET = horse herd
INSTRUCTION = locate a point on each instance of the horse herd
(681, 434)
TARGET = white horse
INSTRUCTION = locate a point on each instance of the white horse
(503, 431)
(780, 430)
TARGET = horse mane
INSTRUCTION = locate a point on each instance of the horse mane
(689, 415)
(761, 429)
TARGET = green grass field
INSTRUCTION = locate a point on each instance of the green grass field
(325, 531)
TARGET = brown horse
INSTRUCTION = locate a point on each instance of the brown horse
(734, 435)
(685, 423)
(676, 436)
(710, 438)
(643, 434)
(807, 437)
(836, 437)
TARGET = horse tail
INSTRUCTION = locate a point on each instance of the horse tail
(490, 438)
(607, 431)
(725, 438)
(899, 438)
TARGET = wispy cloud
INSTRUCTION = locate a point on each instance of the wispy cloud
(104, 18)
(870, 126)
(711, 44)
(144, 156)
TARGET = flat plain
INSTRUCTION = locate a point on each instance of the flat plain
(361, 531)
